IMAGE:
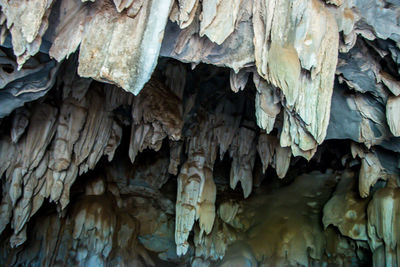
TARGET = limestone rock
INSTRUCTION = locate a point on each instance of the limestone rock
(243, 152)
(392, 111)
(27, 21)
(147, 174)
(271, 153)
(281, 57)
(371, 169)
(187, 11)
(346, 210)
(70, 23)
(29, 83)
(219, 19)
(156, 113)
(19, 124)
(139, 37)
(238, 81)
(236, 52)
(267, 104)
(382, 218)
(196, 190)
(281, 247)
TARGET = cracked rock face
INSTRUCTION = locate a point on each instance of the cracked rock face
(199, 133)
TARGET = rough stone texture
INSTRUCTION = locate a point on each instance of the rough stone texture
(110, 34)
(316, 80)
(17, 87)
(283, 47)
(382, 230)
(27, 22)
(392, 111)
(346, 210)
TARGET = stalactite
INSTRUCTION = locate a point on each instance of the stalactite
(187, 45)
(243, 152)
(271, 153)
(267, 104)
(19, 124)
(196, 188)
(156, 114)
(238, 80)
(371, 169)
(392, 111)
(83, 130)
(26, 33)
(187, 10)
(219, 19)
(280, 60)
(134, 71)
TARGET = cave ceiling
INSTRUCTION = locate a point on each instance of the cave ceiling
(196, 133)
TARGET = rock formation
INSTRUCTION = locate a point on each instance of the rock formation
(199, 133)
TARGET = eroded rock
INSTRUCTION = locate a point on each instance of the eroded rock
(195, 131)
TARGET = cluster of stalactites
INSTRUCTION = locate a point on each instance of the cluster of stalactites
(95, 232)
(49, 146)
(227, 132)
(294, 58)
